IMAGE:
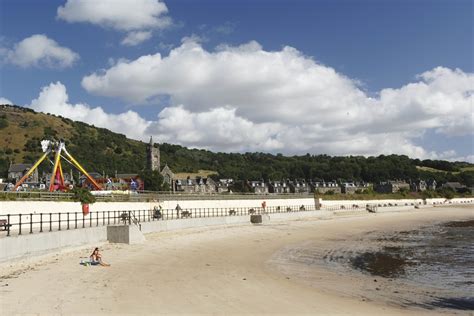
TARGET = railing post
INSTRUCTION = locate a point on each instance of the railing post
(41, 222)
(83, 221)
(31, 223)
(129, 217)
(97, 219)
(8, 224)
(59, 221)
(19, 232)
(50, 221)
(68, 220)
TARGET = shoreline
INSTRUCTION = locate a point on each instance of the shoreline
(324, 264)
(210, 270)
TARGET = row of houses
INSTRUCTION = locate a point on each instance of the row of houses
(208, 185)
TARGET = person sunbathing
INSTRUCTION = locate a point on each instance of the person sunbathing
(96, 258)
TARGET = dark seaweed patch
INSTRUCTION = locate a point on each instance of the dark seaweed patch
(380, 263)
(461, 303)
(460, 224)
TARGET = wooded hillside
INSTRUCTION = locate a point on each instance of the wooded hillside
(101, 150)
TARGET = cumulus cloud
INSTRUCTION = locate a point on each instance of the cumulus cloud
(285, 101)
(136, 17)
(135, 38)
(228, 131)
(40, 51)
(5, 101)
(55, 100)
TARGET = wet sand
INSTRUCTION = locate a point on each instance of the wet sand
(220, 270)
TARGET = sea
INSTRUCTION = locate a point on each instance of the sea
(431, 267)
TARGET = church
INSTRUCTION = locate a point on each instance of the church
(153, 163)
(183, 183)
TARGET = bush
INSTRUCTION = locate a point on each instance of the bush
(428, 194)
(3, 123)
(446, 193)
(83, 195)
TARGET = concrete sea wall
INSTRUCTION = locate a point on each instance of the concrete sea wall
(27, 246)
(30, 245)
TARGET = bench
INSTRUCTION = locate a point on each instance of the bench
(4, 223)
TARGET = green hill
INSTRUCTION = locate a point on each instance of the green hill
(101, 150)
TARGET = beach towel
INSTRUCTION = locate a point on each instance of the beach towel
(88, 262)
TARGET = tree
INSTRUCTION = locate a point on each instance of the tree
(153, 180)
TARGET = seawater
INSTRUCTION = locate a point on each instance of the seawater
(430, 267)
(439, 257)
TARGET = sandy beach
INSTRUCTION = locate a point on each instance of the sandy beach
(219, 270)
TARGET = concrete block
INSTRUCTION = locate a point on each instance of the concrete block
(125, 234)
(259, 218)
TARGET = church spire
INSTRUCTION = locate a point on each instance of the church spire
(153, 156)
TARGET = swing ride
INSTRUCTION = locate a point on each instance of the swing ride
(57, 150)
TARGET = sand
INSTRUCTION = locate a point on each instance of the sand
(219, 270)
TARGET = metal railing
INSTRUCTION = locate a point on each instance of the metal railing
(19, 224)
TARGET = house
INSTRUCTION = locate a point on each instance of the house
(223, 185)
(325, 187)
(257, 187)
(353, 187)
(196, 185)
(278, 187)
(299, 187)
(18, 170)
(455, 186)
(184, 185)
(431, 184)
(418, 186)
(168, 175)
(391, 186)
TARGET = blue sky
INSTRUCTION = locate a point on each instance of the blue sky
(351, 47)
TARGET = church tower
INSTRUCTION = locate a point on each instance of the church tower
(152, 156)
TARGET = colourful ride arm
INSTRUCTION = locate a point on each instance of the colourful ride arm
(53, 174)
(78, 166)
(31, 170)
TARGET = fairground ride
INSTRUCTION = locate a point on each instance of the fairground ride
(56, 150)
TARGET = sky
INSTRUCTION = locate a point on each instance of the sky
(336, 77)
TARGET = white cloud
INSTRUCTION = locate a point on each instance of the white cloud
(315, 108)
(135, 38)
(227, 131)
(55, 100)
(247, 99)
(40, 51)
(5, 101)
(136, 17)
